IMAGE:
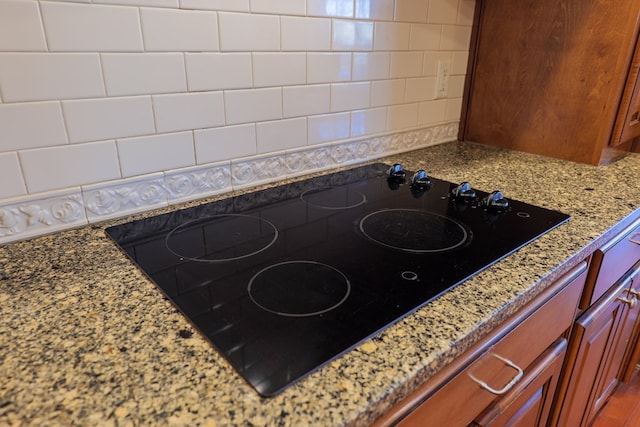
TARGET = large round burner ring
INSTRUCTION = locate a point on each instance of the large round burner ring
(414, 231)
(333, 198)
(299, 288)
(221, 238)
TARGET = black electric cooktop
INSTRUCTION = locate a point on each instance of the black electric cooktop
(282, 281)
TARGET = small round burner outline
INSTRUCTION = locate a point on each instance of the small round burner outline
(320, 189)
(466, 233)
(221, 260)
(347, 292)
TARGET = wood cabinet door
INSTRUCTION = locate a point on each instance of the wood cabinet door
(594, 336)
(631, 334)
(529, 404)
(628, 121)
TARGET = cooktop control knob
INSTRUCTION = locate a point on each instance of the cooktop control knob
(495, 202)
(420, 180)
(463, 192)
(397, 173)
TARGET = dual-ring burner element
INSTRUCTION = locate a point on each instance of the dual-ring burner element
(414, 231)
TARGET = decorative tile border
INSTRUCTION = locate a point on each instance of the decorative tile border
(41, 214)
(38, 214)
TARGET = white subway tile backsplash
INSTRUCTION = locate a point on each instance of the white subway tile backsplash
(305, 34)
(279, 69)
(443, 11)
(403, 116)
(452, 111)
(71, 165)
(371, 65)
(431, 112)
(97, 119)
(465, 12)
(244, 32)
(284, 7)
(143, 73)
(387, 92)
(350, 96)
(406, 64)
(368, 122)
(420, 89)
(47, 76)
(430, 63)
(154, 3)
(155, 153)
(11, 181)
(328, 67)
(456, 87)
(185, 111)
(179, 30)
(459, 63)
(455, 37)
(214, 71)
(352, 35)
(31, 125)
(281, 135)
(20, 26)
(253, 105)
(80, 27)
(375, 9)
(225, 143)
(333, 8)
(92, 91)
(425, 37)
(306, 100)
(391, 36)
(329, 127)
(230, 5)
(412, 10)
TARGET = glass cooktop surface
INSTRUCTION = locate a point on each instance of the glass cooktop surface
(281, 281)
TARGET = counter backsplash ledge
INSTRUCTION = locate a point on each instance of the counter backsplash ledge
(39, 214)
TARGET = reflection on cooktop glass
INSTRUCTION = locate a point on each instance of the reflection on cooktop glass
(284, 280)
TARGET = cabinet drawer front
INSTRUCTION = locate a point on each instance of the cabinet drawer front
(529, 403)
(616, 257)
(461, 399)
(593, 336)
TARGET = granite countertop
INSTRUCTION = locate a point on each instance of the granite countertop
(86, 339)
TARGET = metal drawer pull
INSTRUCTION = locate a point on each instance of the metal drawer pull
(635, 238)
(632, 302)
(634, 292)
(507, 387)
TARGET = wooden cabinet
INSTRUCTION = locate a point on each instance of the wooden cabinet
(556, 78)
(510, 374)
(610, 262)
(601, 347)
(628, 124)
(529, 403)
(596, 357)
(542, 366)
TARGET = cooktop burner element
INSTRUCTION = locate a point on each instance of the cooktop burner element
(415, 231)
(221, 238)
(299, 288)
(333, 198)
(284, 280)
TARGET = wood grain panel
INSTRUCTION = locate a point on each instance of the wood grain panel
(548, 75)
